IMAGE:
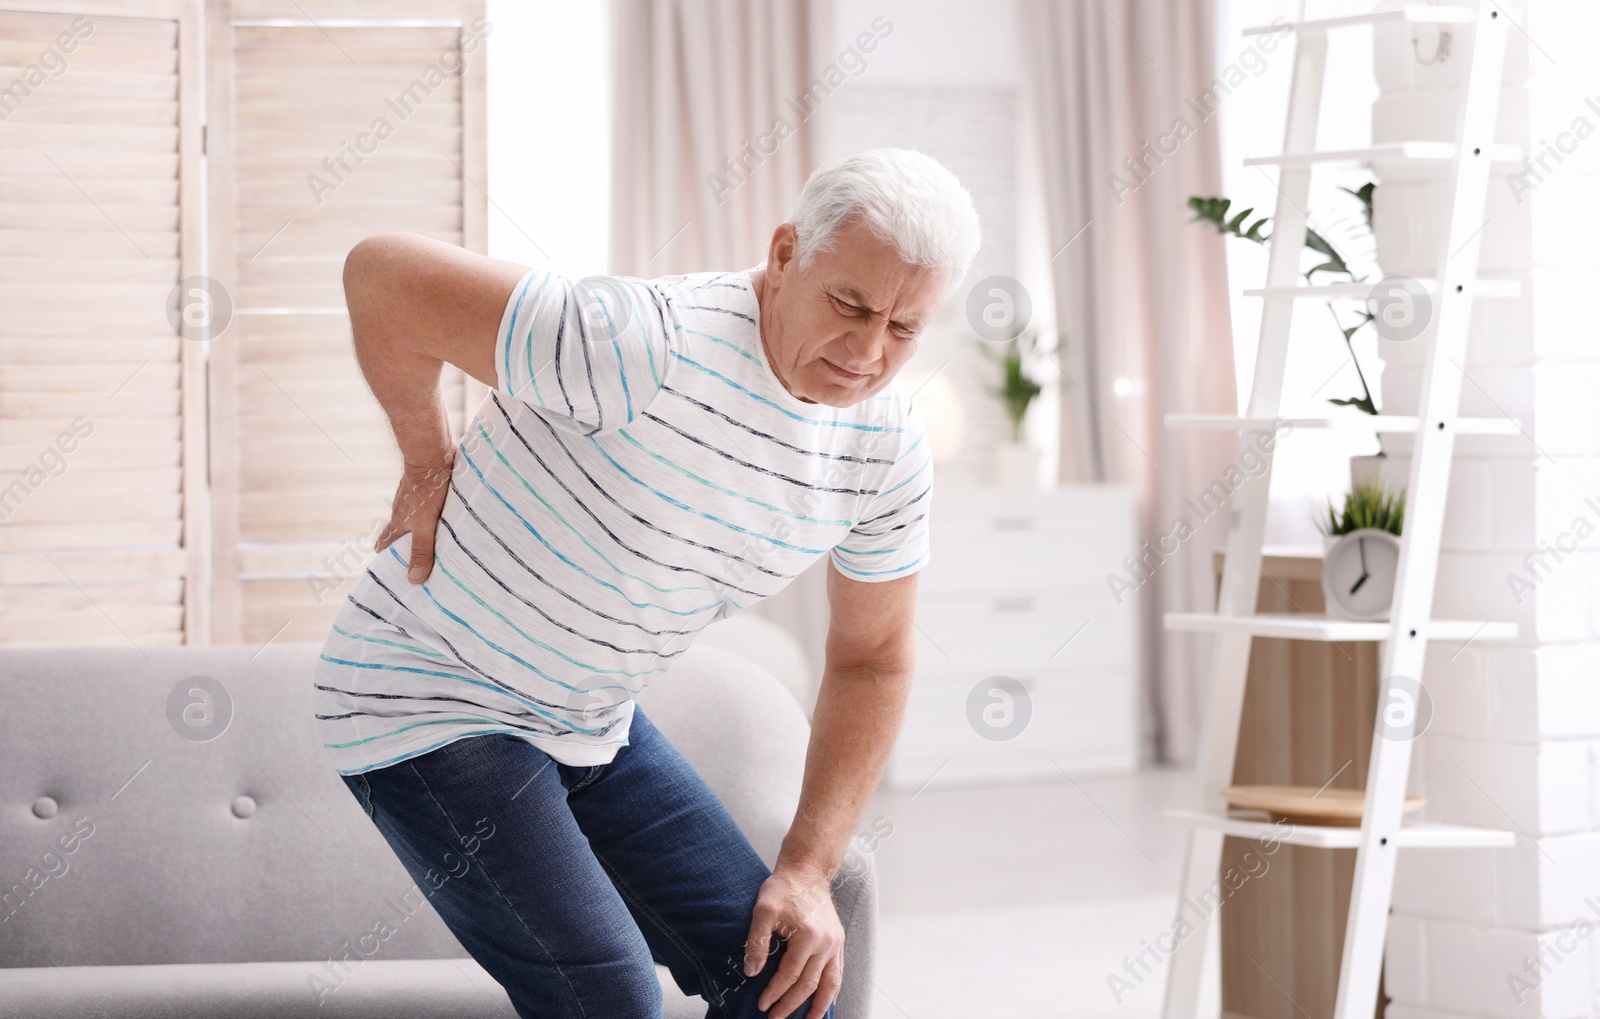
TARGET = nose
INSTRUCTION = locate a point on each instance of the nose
(865, 344)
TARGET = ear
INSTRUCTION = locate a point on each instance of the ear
(783, 253)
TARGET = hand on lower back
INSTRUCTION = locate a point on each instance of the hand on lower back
(417, 504)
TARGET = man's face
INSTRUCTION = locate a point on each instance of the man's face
(838, 332)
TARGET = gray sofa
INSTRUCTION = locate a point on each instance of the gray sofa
(145, 874)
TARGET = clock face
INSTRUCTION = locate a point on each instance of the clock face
(1358, 574)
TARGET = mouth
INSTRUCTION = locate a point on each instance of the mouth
(844, 374)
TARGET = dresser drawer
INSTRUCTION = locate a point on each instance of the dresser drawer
(1070, 631)
(1008, 550)
(1080, 724)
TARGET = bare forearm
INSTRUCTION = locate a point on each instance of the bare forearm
(406, 385)
(404, 380)
(853, 728)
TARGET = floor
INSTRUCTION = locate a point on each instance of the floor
(1034, 893)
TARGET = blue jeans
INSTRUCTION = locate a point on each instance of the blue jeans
(567, 884)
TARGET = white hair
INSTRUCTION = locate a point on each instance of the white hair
(907, 198)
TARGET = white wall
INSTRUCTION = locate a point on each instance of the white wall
(549, 181)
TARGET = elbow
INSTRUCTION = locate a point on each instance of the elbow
(898, 665)
(367, 265)
(377, 269)
(362, 267)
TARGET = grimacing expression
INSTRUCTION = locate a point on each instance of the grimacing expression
(838, 332)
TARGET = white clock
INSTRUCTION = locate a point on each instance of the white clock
(1358, 571)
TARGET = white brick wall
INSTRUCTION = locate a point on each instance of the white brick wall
(1514, 740)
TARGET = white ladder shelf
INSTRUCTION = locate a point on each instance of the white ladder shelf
(1465, 164)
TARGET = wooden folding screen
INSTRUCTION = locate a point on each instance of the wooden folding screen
(225, 484)
(331, 121)
(103, 509)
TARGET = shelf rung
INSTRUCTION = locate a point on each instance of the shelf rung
(1422, 835)
(1421, 151)
(1318, 626)
(1345, 422)
(1414, 14)
(1360, 291)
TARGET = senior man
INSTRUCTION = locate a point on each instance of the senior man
(655, 455)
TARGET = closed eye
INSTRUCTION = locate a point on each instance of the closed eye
(905, 332)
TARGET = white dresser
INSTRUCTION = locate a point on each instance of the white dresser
(1024, 658)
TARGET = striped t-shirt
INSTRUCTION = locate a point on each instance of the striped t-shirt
(637, 473)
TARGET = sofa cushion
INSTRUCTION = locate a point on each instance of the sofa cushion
(124, 842)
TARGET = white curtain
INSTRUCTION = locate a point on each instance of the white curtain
(716, 125)
(713, 133)
(1141, 296)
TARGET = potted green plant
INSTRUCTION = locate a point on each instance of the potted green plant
(1017, 462)
(1361, 550)
(1217, 212)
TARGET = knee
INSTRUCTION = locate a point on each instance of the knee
(624, 990)
(637, 992)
